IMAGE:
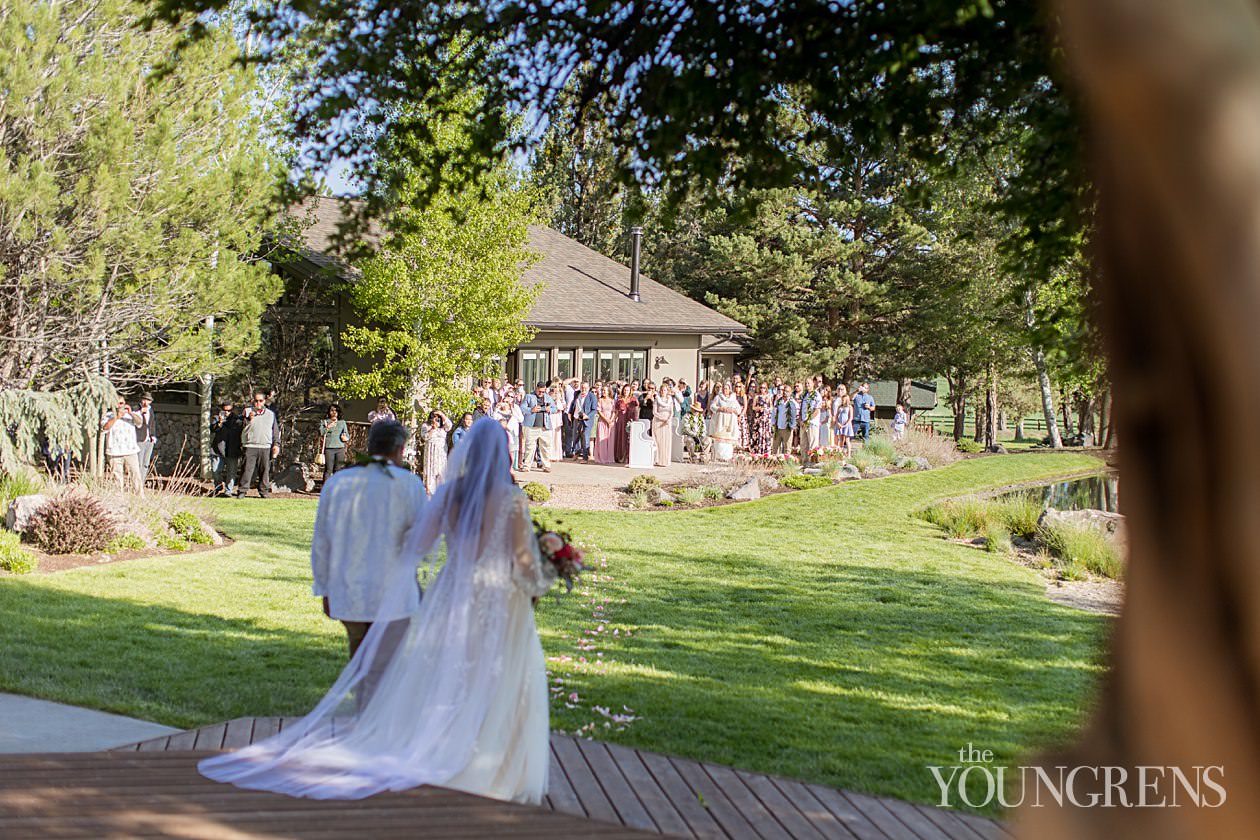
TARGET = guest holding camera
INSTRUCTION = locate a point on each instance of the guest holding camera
(261, 442)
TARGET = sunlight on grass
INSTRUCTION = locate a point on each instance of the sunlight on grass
(827, 635)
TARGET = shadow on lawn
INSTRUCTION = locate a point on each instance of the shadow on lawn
(850, 675)
(178, 668)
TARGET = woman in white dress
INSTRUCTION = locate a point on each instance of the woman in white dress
(724, 411)
(433, 435)
(462, 699)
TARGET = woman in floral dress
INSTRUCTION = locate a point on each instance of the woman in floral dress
(762, 426)
(741, 396)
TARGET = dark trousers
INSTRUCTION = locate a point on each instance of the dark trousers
(356, 632)
(256, 458)
(334, 459)
(862, 429)
(225, 468)
(581, 440)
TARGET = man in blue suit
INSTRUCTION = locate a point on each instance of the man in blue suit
(538, 408)
(582, 412)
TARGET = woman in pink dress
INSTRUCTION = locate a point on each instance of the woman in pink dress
(604, 427)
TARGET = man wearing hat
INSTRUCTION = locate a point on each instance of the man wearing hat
(225, 440)
(695, 433)
(146, 434)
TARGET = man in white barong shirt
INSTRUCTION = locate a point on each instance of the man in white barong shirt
(361, 526)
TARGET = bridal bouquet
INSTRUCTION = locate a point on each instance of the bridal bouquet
(558, 549)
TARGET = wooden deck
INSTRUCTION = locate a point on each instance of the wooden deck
(620, 787)
(161, 794)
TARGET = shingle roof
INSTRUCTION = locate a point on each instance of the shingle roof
(582, 289)
(585, 290)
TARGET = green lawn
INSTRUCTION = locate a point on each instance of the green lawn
(826, 635)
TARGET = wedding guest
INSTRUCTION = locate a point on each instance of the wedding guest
(261, 442)
(900, 420)
(741, 396)
(777, 387)
(121, 446)
(684, 398)
(539, 409)
(842, 417)
(724, 410)
(433, 436)
(225, 440)
(627, 409)
(585, 404)
(334, 434)
(663, 424)
(647, 403)
(382, 412)
(695, 434)
(811, 420)
(465, 423)
(146, 434)
(785, 419)
(556, 391)
(508, 413)
(863, 412)
(702, 396)
(605, 428)
(824, 427)
(762, 431)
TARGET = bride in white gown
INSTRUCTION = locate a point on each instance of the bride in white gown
(462, 700)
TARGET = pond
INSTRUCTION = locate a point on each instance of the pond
(1092, 492)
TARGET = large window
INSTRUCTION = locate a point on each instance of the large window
(588, 366)
(564, 364)
(535, 367)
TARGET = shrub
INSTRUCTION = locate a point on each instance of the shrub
(1082, 547)
(644, 484)
(21, 483)
(881, 448)
(185, 524)
(969, 445)
(787, 468)
(806, 482)
(640, 501)
(13, 557)
(172, 542)
(939, 450)
(831, 469)
(712, 491)
(1019, 514)
(536, 492)
(669, 503)
(997, 538)
(689, 495)
(864, 459)
(73, 523)
(960, 518)
(125, 542)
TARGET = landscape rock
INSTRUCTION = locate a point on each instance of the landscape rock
(749, 490)
(660, 495)
(294, 480)
(215, 537)
(997, 449)
(1109, 524)
(768, 483)
(812, 471)
(913, 464)
(848, 471)
(876, 472)
(21, 509)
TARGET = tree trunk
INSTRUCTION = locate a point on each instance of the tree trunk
(905, 393)
(1043, 376)
(1067, 412)
(990, 408)
(1173, 90)
(1019, 429)
(1106, 428)
(958, 401)
(1001, 423)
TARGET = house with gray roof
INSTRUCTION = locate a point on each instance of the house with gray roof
(594, 318)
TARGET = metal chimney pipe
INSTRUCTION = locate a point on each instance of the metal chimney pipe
(636, 242)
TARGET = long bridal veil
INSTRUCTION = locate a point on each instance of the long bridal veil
(407, 709)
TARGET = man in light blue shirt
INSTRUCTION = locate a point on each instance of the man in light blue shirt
(863, 407)
(538, 408)
(786, 413)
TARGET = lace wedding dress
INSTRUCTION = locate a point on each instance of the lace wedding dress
(461, 700)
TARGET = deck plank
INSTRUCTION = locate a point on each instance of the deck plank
(823, 821)
(783, 809)
(750, 806)
(725, 813)
(240, 733)
(604, 770)
(681, 795)
(879, 814)
(847, 813)
(210, 737)
(950, 825)
(590, 794)
(663, 812)
(560, 792)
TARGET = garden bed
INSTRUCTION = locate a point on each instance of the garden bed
(50, 563)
